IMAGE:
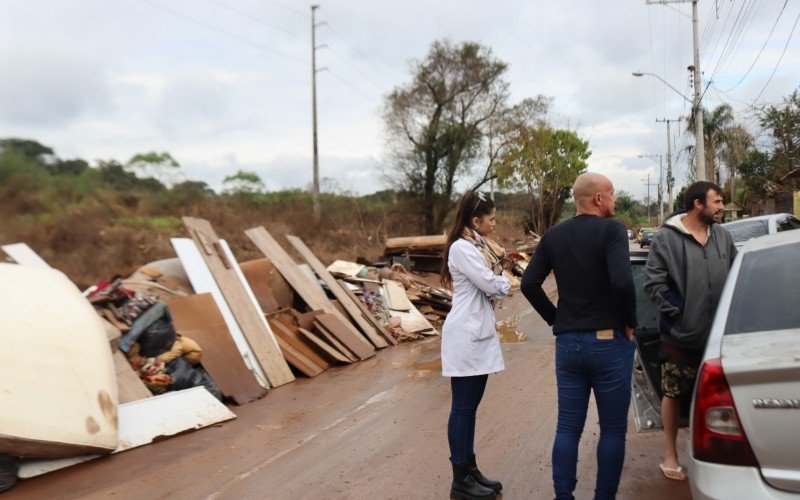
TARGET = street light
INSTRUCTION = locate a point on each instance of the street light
(697, 111)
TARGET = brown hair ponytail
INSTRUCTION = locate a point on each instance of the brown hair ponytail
(472, 204)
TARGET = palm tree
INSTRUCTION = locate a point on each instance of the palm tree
(716, 125)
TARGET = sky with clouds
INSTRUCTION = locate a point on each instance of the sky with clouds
(225, 85)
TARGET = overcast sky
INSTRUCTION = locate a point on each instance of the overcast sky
(225, 85)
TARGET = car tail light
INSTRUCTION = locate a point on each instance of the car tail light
(717, 435)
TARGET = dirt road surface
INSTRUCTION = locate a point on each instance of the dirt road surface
(372, 430)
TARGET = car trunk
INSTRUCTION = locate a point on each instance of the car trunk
(762, 370)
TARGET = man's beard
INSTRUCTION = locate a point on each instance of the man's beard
(708, 218)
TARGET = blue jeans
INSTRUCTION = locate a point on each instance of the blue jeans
(585, 363)
(467, 395)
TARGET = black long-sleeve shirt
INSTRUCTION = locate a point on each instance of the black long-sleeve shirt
(590, 258)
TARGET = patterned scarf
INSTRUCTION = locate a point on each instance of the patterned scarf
(492, 252)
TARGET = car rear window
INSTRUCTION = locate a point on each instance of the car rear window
(766, 292)
(743, 231)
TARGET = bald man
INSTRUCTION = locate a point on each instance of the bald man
(593, 325)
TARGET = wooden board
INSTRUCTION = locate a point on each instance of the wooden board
(293, 338)
(333, 341)
(334, 325)
(248, 315)
(199, 318)
(329, 351)
(368, 315)
(396, 295)
(129, 386)
(411, 243)
(413, 321)
(268, 285)
(308, 291)
(346, 268)
(298, 360)
(203, 282)
(336, 288)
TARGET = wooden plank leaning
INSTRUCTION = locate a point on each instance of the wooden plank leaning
(248, 316)
(313, 296)
(336, 288)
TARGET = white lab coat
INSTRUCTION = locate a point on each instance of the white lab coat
(470, 345)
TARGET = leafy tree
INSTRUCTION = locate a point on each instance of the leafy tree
(161, 166)
(783, 124)
(243, 183)
(198, 187)
(758, 171)
(436, 123)
(716, 124)
(545, 163)
(114, 175)
(68, 167)
(28, 148)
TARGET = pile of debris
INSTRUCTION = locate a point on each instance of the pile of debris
(189, 335)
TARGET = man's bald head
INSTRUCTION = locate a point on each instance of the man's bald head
(594, 194)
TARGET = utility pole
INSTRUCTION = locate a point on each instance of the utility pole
(670, 179)
(697, 110)
(699, 138)
(648, 196)
(315, 186)
(660, 186)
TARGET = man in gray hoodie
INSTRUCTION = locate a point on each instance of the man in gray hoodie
(686, 270)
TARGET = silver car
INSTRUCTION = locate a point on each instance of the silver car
(753, 227)
(745, 415)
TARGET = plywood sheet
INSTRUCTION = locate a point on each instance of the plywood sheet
(239, 297)
(203, 282)
(297, 342)
(336, 288)
(141, 422)
(199, 318)
(269, 287)
(413, 321)
(334, 342)
(327, 349)
(308, 291)
(335, 326)
(298, 360)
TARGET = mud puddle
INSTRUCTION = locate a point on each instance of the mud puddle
(435, 364)
(508, 332)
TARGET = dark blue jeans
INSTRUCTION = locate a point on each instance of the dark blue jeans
(585, 363)
(467, 394)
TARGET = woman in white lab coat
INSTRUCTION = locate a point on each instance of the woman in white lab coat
(470, 344)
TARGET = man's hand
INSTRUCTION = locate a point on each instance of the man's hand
(629, 332)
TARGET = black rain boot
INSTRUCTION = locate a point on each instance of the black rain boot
(465, 487)
(493, 485)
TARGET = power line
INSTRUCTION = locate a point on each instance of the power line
(290, 8)
(371, 98)
(778, 63)
(361, 54)
(223, 32)
(366, 76)
(762, 48)
(257, 19)
(735, 33)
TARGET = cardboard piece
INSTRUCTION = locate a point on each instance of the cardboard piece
(199, 318)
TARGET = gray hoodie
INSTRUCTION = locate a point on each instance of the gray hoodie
(684, 280)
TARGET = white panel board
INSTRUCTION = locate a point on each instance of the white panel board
(25, 256)
(203, 282)
(140, 422)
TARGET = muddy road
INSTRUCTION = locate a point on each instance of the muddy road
(372, 430)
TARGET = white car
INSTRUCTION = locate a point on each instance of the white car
(745, 415)
(753, 227)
